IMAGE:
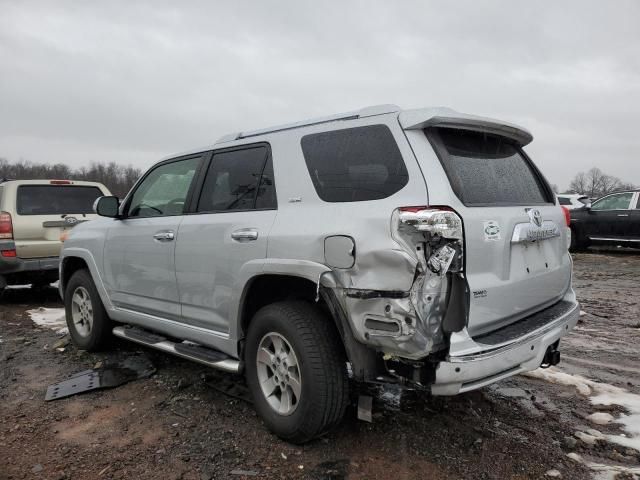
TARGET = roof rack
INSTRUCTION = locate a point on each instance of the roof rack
(362, 113)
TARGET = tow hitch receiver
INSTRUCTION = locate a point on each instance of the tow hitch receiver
(551, 356)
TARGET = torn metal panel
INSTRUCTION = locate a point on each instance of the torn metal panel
(408, 322)
(110, 375)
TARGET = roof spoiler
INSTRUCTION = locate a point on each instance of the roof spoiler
(448, 118)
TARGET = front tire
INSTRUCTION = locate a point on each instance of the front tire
(296, 370)
(89, 325)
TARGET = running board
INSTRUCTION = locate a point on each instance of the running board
(197, 353)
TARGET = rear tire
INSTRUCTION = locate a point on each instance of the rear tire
(578, 244)
(89, 325)
(302, 363)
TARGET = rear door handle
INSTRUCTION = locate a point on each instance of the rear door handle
(245, 235)
(167, 236)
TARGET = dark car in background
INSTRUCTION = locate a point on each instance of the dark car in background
(610, 220)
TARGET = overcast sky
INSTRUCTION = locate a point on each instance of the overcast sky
(135, 81)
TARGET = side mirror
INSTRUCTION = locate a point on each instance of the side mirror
(107, 207)
(586, 202)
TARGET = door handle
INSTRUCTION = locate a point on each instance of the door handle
(164, 236)
(623, 214)
(245, 235)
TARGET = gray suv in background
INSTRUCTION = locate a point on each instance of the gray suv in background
(420, 247)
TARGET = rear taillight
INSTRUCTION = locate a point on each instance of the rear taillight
(567, 215)
(438, 220)
(6, 226)
(8, 253)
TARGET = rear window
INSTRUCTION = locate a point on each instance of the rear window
(56, 199)
(487, 169)
(354, 164)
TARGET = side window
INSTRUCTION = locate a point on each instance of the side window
(163, 192)
(638, 203)
(239, 180)
(619, 201)
(354, 164)
(564, 201)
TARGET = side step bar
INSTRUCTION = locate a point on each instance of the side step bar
(206, 356)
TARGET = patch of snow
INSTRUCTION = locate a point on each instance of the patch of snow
(588, 439)
(600, 418)
(553, 473)
(582, 313)
(605, 472)
(53, 318)
(602, 394)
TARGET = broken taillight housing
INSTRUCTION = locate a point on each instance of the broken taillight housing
(6, 226)
(441, 221)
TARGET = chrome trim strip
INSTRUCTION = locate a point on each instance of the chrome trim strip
(610, 239)
(528, 232)
(222, 335)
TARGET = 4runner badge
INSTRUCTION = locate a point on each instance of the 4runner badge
(491, 230)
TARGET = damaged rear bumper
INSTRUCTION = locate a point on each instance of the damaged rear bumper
(486, 364)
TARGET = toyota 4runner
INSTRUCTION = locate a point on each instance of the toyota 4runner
(421, 247)
(34, 214)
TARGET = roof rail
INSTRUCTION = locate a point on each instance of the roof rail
(4, 179)
(362, 113)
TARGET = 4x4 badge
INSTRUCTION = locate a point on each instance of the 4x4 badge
(535, 216)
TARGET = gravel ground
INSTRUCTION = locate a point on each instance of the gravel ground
(182, 423)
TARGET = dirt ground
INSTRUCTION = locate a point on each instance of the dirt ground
(180, 424)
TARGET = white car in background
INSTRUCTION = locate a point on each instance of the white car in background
(572, 200)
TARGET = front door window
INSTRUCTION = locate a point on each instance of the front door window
(163, 192)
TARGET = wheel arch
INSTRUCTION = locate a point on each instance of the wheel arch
(73, 259)
(268, 288)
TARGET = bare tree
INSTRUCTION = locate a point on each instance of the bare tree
(596, 183)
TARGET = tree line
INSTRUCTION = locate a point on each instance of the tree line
(595, 183)
(117, 178)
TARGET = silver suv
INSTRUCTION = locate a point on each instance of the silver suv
(421, 247)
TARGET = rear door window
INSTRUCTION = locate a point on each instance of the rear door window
(240, 179)
(618, 201)
(355, 164)
(56, 199)
(488, 170)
